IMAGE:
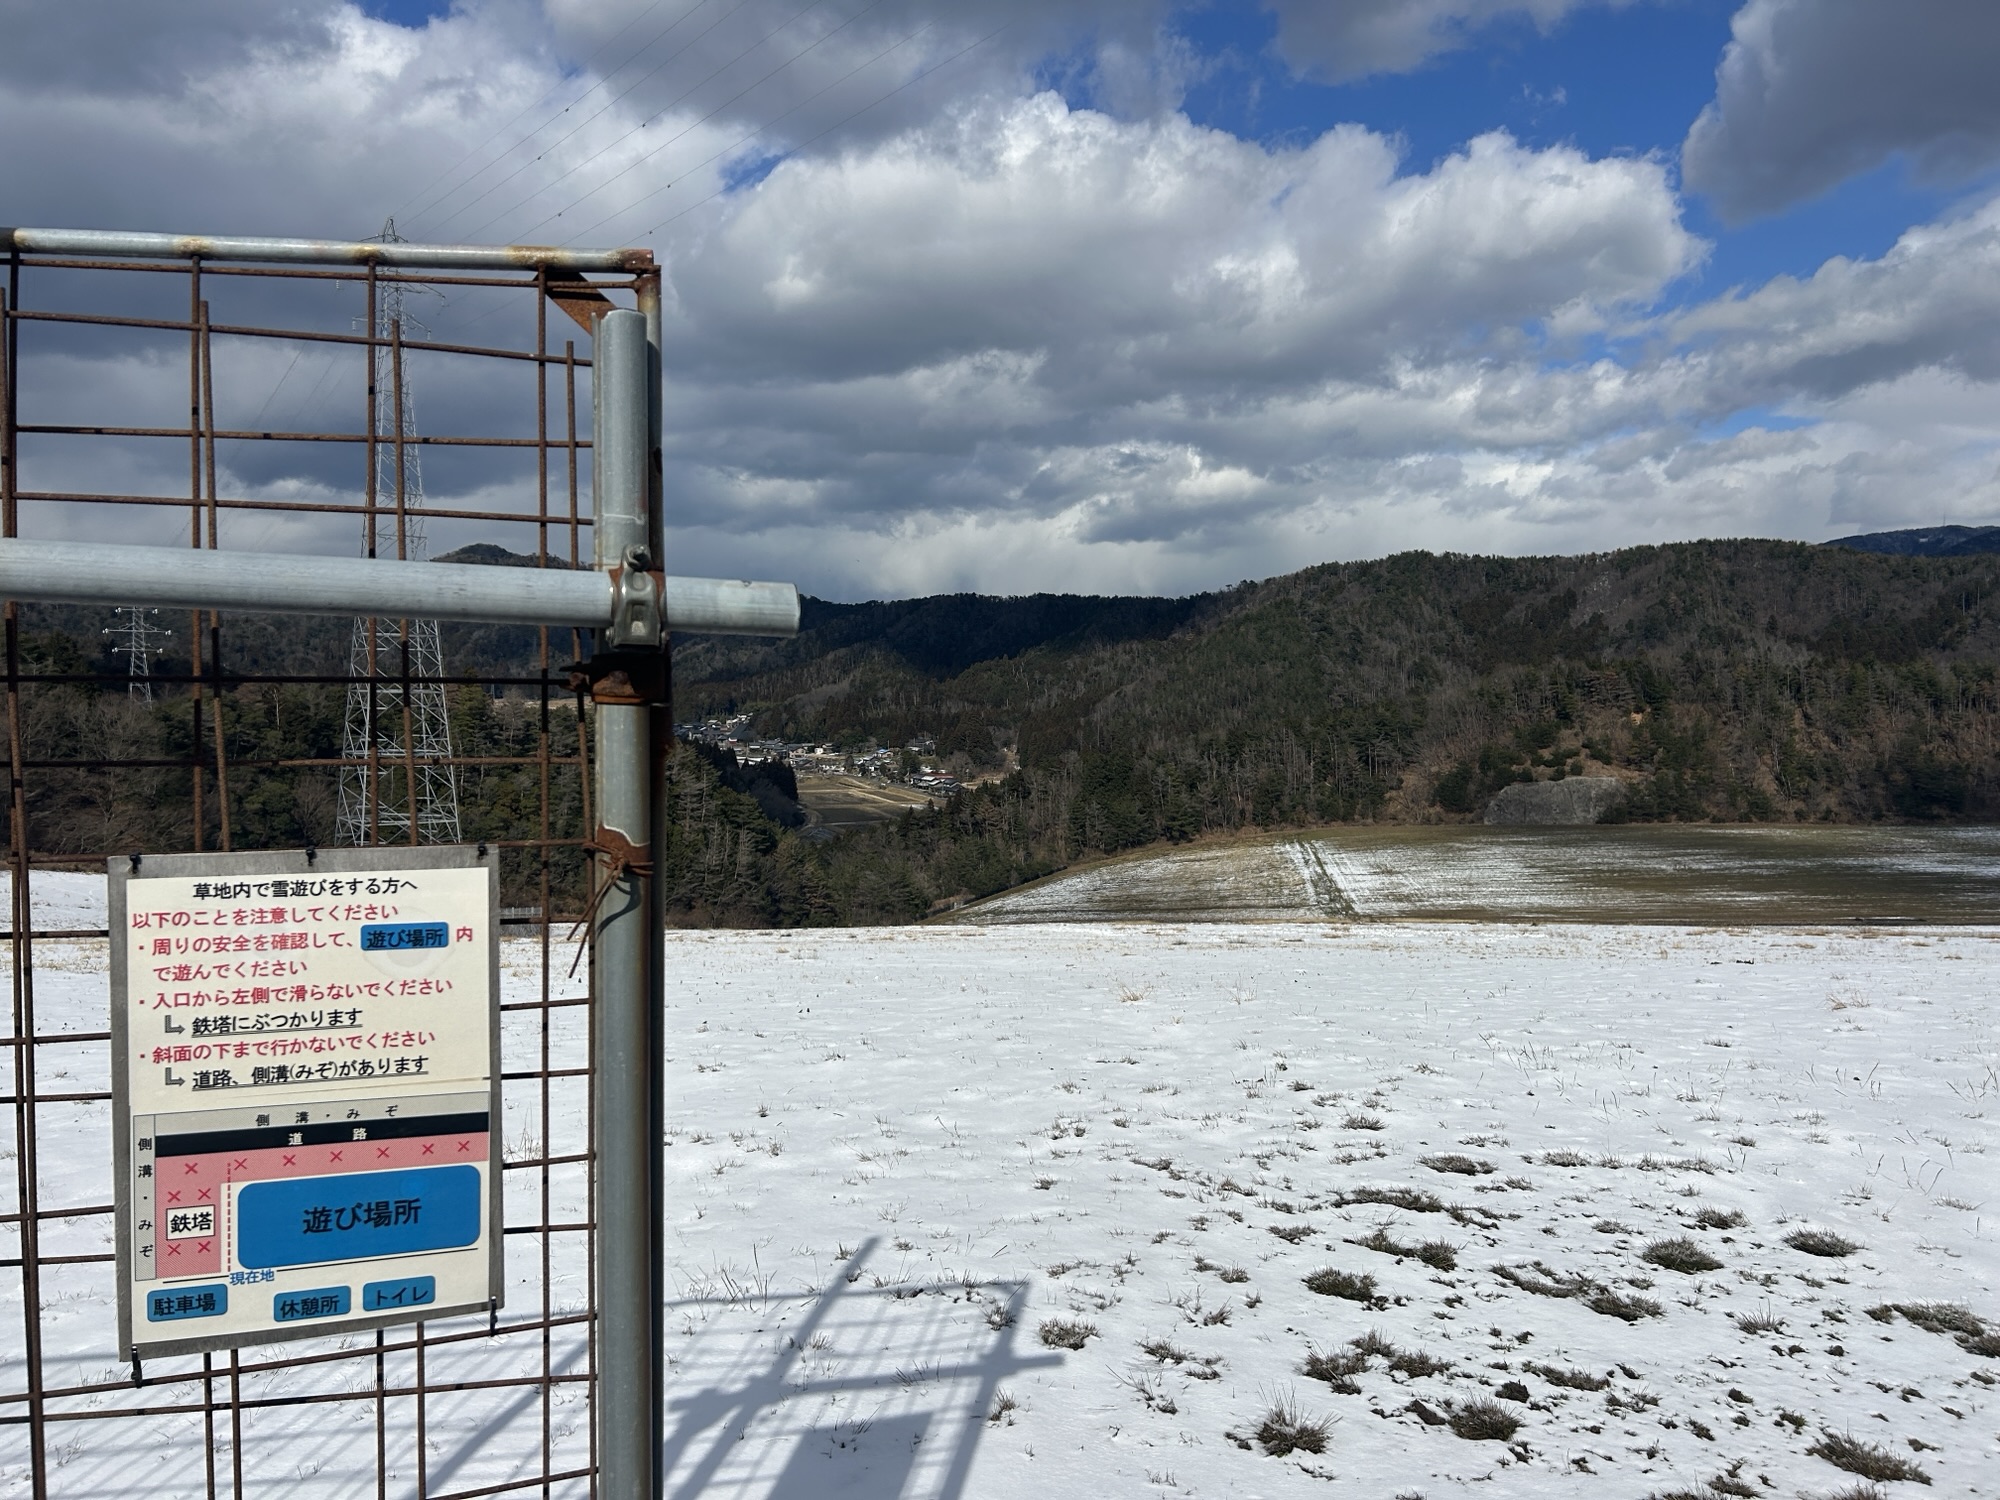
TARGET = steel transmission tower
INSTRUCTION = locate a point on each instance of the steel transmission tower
(137, 633)
(406, 730)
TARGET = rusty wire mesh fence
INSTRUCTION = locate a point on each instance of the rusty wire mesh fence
(241, 407)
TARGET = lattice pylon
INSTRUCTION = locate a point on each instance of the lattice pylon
(137, 633)
(407, 731)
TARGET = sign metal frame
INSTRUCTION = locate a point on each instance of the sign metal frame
(308, 864)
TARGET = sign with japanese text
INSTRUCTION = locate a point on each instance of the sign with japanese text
(305, 1085)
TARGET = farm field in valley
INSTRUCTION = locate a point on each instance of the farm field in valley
(841, 802)
(1650, 873)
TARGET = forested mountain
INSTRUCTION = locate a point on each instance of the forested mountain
(1926, 541)
(1725, 680)
(1722, 680)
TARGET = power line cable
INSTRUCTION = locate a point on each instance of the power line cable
(761, 129)
(810, 140)
(838, 124)
(602, 82)
(257, 421)
(692, 125)
(528, 109)
(545, 152)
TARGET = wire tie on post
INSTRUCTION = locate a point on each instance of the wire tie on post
(621, 857)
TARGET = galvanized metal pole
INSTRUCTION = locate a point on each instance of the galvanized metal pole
(626, 940)
(647, 287)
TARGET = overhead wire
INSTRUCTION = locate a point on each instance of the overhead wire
(611, 103)
(257, 420)
(836, 125)
(817, 136)
(760, 130)
(526, 110)
(748, 88)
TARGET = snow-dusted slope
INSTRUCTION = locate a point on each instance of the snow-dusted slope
(1674, 873)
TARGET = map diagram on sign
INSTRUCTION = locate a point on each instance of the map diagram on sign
(305, 1089)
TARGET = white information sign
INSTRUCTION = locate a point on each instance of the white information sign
(305, 1089)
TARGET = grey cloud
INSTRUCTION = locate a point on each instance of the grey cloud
(1811, 92)
(1349, 39)
(112, 50)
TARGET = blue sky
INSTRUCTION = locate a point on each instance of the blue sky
(1629, 80)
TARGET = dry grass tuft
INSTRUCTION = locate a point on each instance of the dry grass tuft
(1066, 1333)
(1942, 1317)
(1285, 1430)
(1763, 1322)
(1415, 1200)
(1722, 1484)
(1438, 1254)
(1375, 1342)
(1406, 1362)
(1542, 1281)
(1681, 1255)
(1331, 1282)
(1865, 1459)
(1483, 1419)
(1194, 1366)
(1569, 1380)
(1720, 1218)
(1565, 1159)
(1464, 1166)
(1337, 1370)
(1821, 1242)
(1617, 1305)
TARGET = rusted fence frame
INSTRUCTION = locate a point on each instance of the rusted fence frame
(211, 1388)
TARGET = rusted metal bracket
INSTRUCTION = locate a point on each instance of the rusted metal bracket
(630, 679)
(577, 297)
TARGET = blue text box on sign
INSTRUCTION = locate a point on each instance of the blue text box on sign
(392, 1296)
(404, 937)
(308, 1220)
(176, 1303)
(320, 1302)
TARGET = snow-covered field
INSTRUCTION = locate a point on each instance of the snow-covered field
(1675, 873)
(902, 1161)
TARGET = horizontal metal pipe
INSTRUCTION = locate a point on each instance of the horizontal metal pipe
(728, 606)
(121, 242)
(274, 583)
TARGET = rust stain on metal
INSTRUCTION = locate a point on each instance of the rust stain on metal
(584, 302)
(149, 245)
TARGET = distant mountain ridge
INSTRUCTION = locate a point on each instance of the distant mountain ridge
(1925, 541)
(1754, 681)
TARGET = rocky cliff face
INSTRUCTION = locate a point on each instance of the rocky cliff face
(1575, 799)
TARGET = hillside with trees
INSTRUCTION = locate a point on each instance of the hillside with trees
(1735, 681)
